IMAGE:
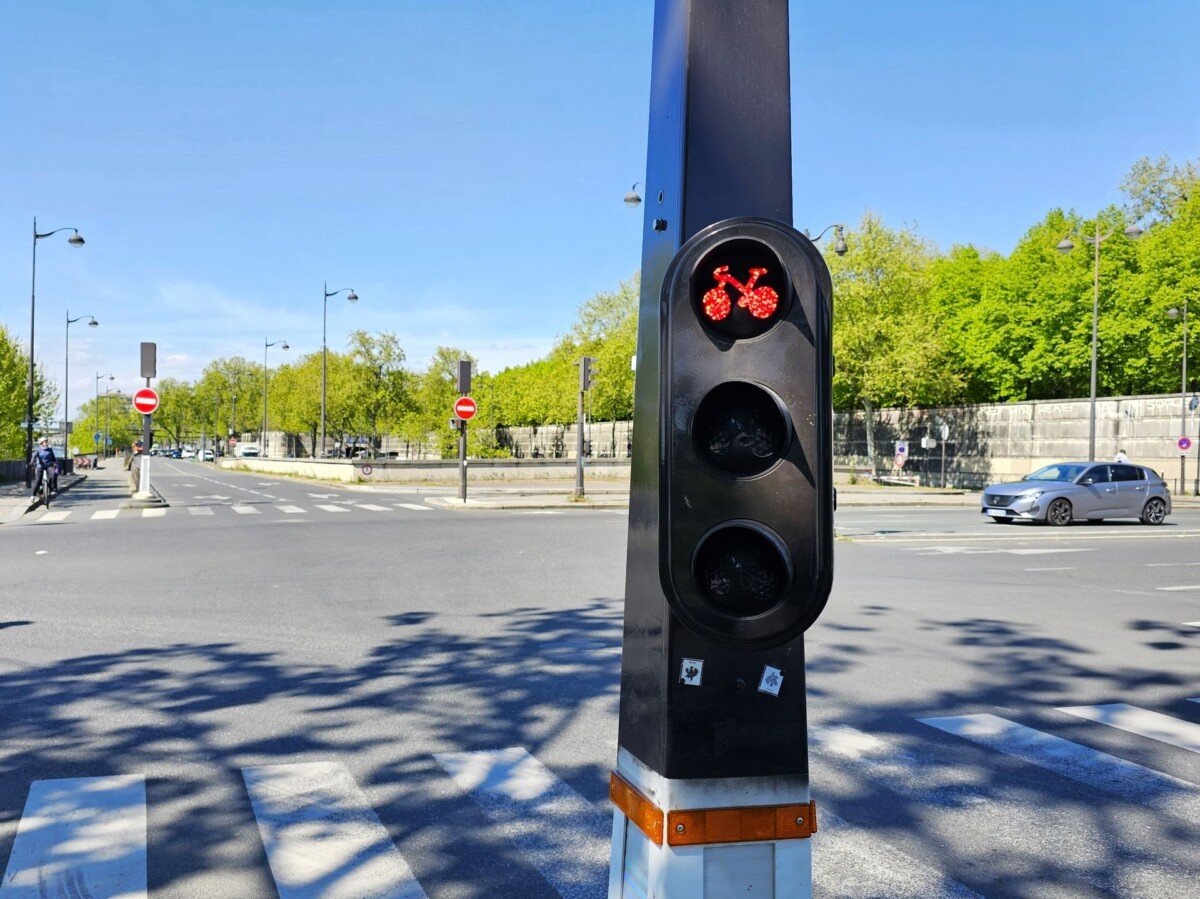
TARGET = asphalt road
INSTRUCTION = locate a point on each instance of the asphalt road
(272, 688)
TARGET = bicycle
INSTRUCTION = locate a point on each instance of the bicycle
(46, 488)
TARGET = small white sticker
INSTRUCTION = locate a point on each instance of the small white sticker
(771, 681)
(691, 671)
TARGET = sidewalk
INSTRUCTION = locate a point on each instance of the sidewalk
(109, 482)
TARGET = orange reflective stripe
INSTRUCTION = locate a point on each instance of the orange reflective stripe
(741, 825)
(637, 808)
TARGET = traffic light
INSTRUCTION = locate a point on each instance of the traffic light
(745, 507)
(585, 373)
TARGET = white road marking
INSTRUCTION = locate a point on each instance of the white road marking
(980, 551)
(245, 510)
(1170, 564)
(55, 515)
(1142, 722)
(862, 866)
(154, 513)
(82, 836)
(564, 837)
(1191, 624)
(291, 510)
(538, 512)
(1112, 775)
(200, 510)
(323, 495)
(374, 508)
(333, 508)
(105, 514)
(323, 839)
(1058, 568)
(1175, 589)
(414, 507)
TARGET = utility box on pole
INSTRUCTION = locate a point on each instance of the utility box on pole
(730, 552)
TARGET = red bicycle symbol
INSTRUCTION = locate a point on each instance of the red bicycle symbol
(761, 301)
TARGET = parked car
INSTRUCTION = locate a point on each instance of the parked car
(206, 455)
(188, 454)
(1073, 491)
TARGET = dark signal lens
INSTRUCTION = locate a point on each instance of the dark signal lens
(741, 570)
(741, 428)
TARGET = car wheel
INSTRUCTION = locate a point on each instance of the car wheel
(1000, 519)
(1155, 511)
(1059, 513)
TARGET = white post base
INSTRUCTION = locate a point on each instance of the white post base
(768, 869)
(143, 491)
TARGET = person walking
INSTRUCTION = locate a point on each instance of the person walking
(1120, 456)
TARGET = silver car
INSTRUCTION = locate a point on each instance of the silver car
(1073, 491)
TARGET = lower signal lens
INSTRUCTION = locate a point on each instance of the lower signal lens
(741, 569)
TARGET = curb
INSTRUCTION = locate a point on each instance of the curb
(483, 505)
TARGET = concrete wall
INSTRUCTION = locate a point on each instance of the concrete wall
(427, 471)
(1001, 440)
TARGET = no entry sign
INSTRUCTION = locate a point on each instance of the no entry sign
(465, 408)
(145, 401)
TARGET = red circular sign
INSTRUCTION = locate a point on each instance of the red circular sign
(465, 408)
(145, 401)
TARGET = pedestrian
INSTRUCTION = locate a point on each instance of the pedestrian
(1120, 456)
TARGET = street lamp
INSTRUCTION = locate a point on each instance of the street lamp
(283, 345)
(74, 240)
(1173, 313)
(67, 375)
(97, 411)
(1133, 232)
(839, 245)
(351, 297)
(633, 199)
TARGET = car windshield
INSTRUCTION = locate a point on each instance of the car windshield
(1056, 473)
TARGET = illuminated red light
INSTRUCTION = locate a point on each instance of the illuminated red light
(760, 301)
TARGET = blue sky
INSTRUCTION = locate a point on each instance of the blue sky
(461, 164)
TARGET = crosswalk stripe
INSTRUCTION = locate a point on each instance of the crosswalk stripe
(1141, 722)
(565, 837)
(83, 836)
(332, 508)
(374, 508)
(200, 510)
(1175, 589)
(104, 514)
(154, 513)
(290, 510)
(55, 515)
(1076, 762)
(245, 510)
(857, 864)
(414, 507)
(323, 839)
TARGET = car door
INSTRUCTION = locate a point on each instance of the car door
(1095, 494)
(1131, 489)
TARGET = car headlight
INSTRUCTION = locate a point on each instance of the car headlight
(1032, 496)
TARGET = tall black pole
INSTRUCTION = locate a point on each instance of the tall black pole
(29, 392)
(324, 321)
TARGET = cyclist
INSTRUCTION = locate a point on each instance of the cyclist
(45, 464)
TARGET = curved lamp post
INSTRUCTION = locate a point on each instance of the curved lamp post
(1133, 232)
(67, 375)
(75, 240)
(1174, 313)
(839, 245)
(97, 411)
(283, 345)
(351, 297)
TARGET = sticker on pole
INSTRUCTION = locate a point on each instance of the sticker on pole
(771, 681)
(465, 408)
(691, 672)
(145, 401)
(1184, 444)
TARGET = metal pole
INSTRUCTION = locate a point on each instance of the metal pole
(1095, 319)
(262, 448)
(107, 420)
(66, 382)
(233, 417)
(462, 461)
(324, 328)
(579, 448)
(29, 392)
(1183, 405)
(96, 412)
(943, 463)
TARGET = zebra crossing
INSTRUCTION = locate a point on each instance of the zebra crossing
(322, 837)
(224, 509)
